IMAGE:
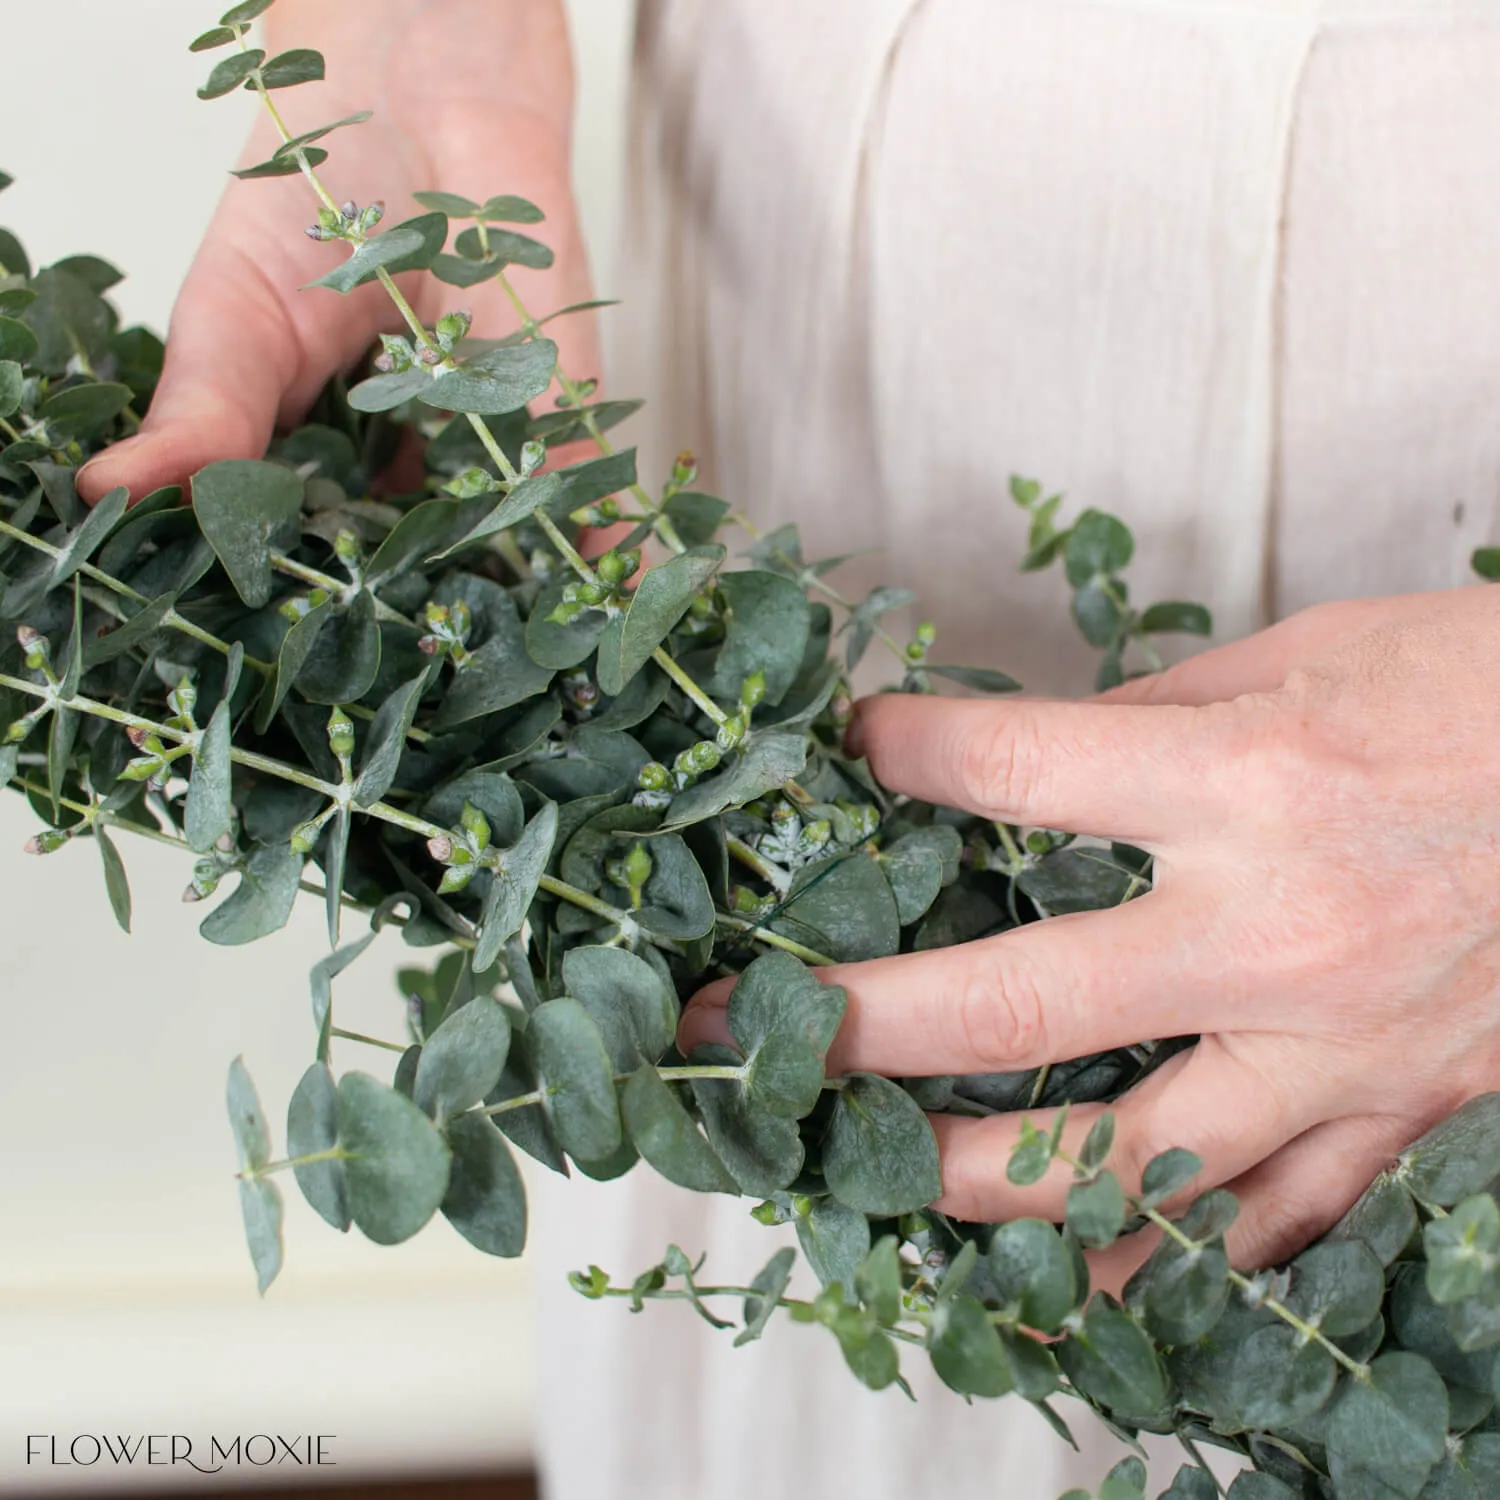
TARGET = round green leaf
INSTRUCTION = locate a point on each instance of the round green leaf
(396, 1162)
(1031, 1266)
(879, 1152)
(312, 1126)
(486, 1199)
(573, 1071)
(664, 1133)
(461, 1061)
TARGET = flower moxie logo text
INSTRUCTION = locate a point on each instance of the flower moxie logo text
(259, 1450)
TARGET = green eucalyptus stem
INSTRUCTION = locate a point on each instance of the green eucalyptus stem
(333, 1153)
(1174, 1232)
(95, 813)
(670, 1075)
(775, 940)
(774, 876)
(369, 1041)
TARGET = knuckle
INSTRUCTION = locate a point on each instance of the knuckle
(999, 761)
(1000, 1015)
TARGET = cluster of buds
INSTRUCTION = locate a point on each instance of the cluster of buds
(461, 849)
(921, 641)
(154, 764)
(446, 628)
(603, 512)
(703, 613)
(350, 222)
(631, 872)
(471, 482)
(452, 327)
(791, 842)
(212, 868)
(302, 605)
(396, 355)
(613, 569)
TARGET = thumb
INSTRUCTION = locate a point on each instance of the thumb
(232, 355)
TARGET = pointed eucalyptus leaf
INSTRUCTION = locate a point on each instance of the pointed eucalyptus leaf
(766, 622)
(879, 1152)
(665, 1135)
(229, 73)
(462, 1060)
(387, 741)
(209, 810)
(410, 540)
(252, 1135)
(1167, 1174)
(769, 761)
(1193, 1482)
(835, 1239)
(783, 1019)
(344, 657)
(261, 1210)
(408, 246)
(246, 508)
(307, 137)
(62, 733)
(503, 380)
(630, 1002)
(245, 11)
(527, 497)
(81, 410)
(486, 1199)
(497, 675)
(334, 858)
(296, 647)
(78, 547)
(287, 69)
(590, 481)
(503, 247)
(1384, 1218)
(507, 208)
(455, 205)
(658, 603)
(577, 1082)
(769, 1285)
(312, 1127)
(320, 981)
(116, 883)
(513, 886)
(387, 392)
(261, 903)
(396, 1162)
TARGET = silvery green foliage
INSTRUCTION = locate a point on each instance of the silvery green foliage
(580, 791)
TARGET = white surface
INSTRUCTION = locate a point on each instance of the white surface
(127, 1301)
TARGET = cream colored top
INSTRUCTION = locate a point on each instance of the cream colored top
(1230, 270)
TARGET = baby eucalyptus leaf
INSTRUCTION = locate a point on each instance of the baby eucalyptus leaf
(455, 205)
(1388, 1431)
(1385, 1218)
(1097, 545)
(12, 386)
(501, 381)
(877, 1282)
(526, 498)
(1126, 1481)
(835, 1239)
(386, 392)
(573, 1071)
(81, 410)
(246, 508)
(656, 606)
(244, 12)
(1463, 1250)
(486, 1199)
(1277, 1379)
(879, 1153)
(1113, 1361)
(408, 246)
(395, 1163)
(1189, 619)
(312, 1127)
(1167, 1174)
(629, 1001)
(462, 1060)
(262, 901)
(665, 1135)
(1457, 1158)
(1096, 1211)
(1032, 1268)
(209, 809)
(503, 247)
(507, 208)
(965, 1349)
(1185, 1290)
(215, 36)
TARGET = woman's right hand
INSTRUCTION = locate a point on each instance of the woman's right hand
(474, 97)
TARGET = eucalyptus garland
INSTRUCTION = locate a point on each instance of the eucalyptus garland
(581, 788)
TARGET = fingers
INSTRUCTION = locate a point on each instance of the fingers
(1230, 1113)
(1041, 993)
(1146, 774)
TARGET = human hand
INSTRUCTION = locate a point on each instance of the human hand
(473, 97)
(1320, 801)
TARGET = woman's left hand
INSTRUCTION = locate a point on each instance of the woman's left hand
(1322, 802)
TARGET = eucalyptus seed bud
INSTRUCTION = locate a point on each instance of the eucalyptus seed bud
(915, 651)
(802, 1205)
(611, 568)
(429, 645)
(455, 878)
(533, 456)
(316, 597)
(731, 733)
(593, 593)
(476, 825)
(183, 699)
(225, 843)
(703, 756)
(305, 836)
(926, 632)
(340, 733)
(48, 841)
(453, 326)
(753, 690)
(766, 1213)
(27, 636)
(685, 469)
(609, 510)
(349, 209)
(565, 612)
(17, 730)
(818, 833)
(384, 363)
(702, 606)
(372, 215)
(1038, 842)
(141, 769)
(638, 867)
(462, 617)
(430, 356)
(346, 545)
(743, 900)
(313, 232)
(440, 847)
(136, 734)
(653, 777)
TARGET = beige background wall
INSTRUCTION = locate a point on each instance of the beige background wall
(126, 1297)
